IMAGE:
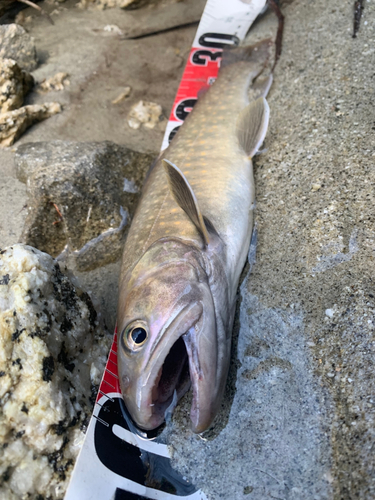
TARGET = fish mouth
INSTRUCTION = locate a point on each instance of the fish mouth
(181, 370)
(167, 374)
(184, 354)
(171, 383)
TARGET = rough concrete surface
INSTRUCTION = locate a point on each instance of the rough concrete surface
(101, 64)
(298, 420)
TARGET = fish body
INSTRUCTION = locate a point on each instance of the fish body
(185, 251)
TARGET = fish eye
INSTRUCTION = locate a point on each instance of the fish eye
(135, 335)
(138, 335)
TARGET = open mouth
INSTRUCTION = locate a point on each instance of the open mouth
(172, 381)
(168, 372)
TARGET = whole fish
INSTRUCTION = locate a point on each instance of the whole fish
(186, 248)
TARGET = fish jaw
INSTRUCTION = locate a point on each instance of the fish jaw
(149, 394)
(203, 408)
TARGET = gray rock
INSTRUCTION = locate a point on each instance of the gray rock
(17, 44)
(52, 355)
(14, 85)
(77, 198)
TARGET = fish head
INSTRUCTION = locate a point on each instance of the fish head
(167, 336)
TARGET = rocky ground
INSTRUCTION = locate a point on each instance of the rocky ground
(299, 413)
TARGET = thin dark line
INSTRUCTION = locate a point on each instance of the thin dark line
(101, 421)
(113, 387)
(109, 371)
(104, 394)
(157, 32)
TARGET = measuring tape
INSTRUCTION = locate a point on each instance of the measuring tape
(117, 461)
(223, 24)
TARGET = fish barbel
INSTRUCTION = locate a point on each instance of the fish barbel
(186, 248)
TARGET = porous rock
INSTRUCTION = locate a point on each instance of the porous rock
(14, 123)
(17, 44)
(52, 355)
(123, 95)
(78, 197)
(56, 82)
(145, 113)
(14, 85)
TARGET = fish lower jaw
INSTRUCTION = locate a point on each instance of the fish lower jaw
(180, 370)
(169, 386)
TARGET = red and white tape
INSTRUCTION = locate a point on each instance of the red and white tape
(113, 460)
(223, 24)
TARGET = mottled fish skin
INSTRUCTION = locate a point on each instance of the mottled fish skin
(164, 241)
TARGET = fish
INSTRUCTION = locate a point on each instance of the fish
(186, 249)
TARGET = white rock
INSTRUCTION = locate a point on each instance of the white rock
(50, 345)
(14, 123)
(330, 313)
(146, 113)
(14, 85)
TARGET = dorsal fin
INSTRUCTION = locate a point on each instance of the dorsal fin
(252, 126)
(185, 197)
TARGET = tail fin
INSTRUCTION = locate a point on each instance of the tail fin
(258, 53)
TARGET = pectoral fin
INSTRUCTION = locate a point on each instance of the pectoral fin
(185, 198)
(252, 126)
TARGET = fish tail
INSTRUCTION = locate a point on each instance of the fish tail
(258, 53)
